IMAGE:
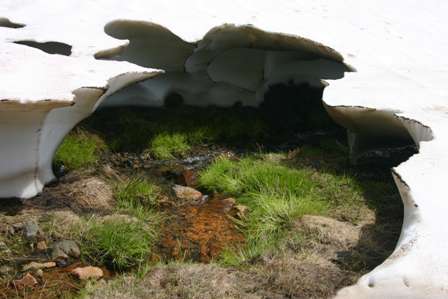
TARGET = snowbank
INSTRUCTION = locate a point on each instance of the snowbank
(399, 88)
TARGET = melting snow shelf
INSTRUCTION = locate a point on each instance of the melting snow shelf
(207, 53)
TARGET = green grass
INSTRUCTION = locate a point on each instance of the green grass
(169, 133)
(118, 243)
(79, 149)
(124, 240)
(251, 175)
(137, 197)
(166, 146)
(275, 194)
(278, 191)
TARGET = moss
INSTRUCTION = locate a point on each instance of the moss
(168, 146)
(171, 132)
(79, 149)
(250, 175)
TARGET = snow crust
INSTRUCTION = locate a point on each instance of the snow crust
(397, 47)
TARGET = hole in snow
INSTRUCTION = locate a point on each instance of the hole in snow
(251, 98)
(48, 47)
(172, 144)
(5, 22)
(295, 105)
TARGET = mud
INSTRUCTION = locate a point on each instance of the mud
(200, 232)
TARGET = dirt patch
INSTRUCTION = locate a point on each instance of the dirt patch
(337, 234)
(302, 276)
(182, 281)
(90, 194)
(54, 283)
(200, 232)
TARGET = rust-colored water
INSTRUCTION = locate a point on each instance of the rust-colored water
(200, 232)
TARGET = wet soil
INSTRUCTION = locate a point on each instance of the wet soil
(200, 232)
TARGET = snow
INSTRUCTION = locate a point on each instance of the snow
(397, 47)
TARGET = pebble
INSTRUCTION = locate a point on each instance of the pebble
(84, 273)
(31, 230)
(64, 249)
(36, 266)
(186, 193)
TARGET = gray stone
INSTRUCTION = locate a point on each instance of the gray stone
(31, 230)
(64, 249)
(186, 193)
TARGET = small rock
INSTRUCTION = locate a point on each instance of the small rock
(36, 266)
(27, 281)
(57, 254)
(64, 249)
(186, 193)
(41, 246)
(228, 204)
(88, 272)
(31, 230)
(241, 211)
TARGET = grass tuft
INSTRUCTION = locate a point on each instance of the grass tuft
(136, 194)
(119, 243)
(79, 149)
(275, 194)
(167, 146)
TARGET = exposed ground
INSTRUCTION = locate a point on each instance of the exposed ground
(275, 212)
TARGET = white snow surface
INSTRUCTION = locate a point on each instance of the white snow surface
(399, 49)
